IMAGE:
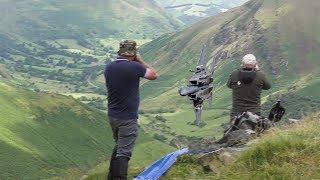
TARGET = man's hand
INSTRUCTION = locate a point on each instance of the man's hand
(257, 67)
(138, 57)
(151, 73)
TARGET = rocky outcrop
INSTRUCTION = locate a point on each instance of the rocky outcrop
(216, 160)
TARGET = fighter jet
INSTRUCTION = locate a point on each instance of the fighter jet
(200, 86)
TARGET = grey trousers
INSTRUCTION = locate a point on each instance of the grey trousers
(125, 133)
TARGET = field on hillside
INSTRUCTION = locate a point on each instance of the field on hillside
(182, 123)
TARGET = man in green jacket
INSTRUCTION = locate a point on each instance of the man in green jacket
(246, 84)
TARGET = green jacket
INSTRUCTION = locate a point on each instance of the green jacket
(247, 97)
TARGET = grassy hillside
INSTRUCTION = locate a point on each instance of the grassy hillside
(64, 45)
(281, 33)
(289, 152)
(66, 19)
(45, 135)
(61, 46)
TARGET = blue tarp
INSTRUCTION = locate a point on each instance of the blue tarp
(158, 168)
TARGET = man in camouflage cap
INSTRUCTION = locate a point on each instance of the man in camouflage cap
(122, 79)
(127, 48)
(246, 84)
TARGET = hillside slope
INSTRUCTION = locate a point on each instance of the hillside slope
(65, 19)
(46, 135)
(281, 33)
(271, 29)
(289, 152)
(58, 46)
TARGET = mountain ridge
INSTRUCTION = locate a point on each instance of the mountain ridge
(235, 33)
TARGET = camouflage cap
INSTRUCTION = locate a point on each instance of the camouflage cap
(127, 48)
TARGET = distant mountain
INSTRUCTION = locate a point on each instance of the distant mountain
(50, 19)
(282, 34)
(192, 11)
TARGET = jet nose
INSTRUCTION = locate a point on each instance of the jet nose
(183, 91)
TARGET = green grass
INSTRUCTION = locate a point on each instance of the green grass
(88, 95)
(51, 85)
(55, 136)
(101, 16)
(49, 134)
(180, 123)
(288, 152)
(72, 22)
(275, 39)
(71, 44)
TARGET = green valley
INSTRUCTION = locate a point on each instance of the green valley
(59, 46)
(53, 95)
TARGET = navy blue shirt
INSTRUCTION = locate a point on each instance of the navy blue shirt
(123, 78)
